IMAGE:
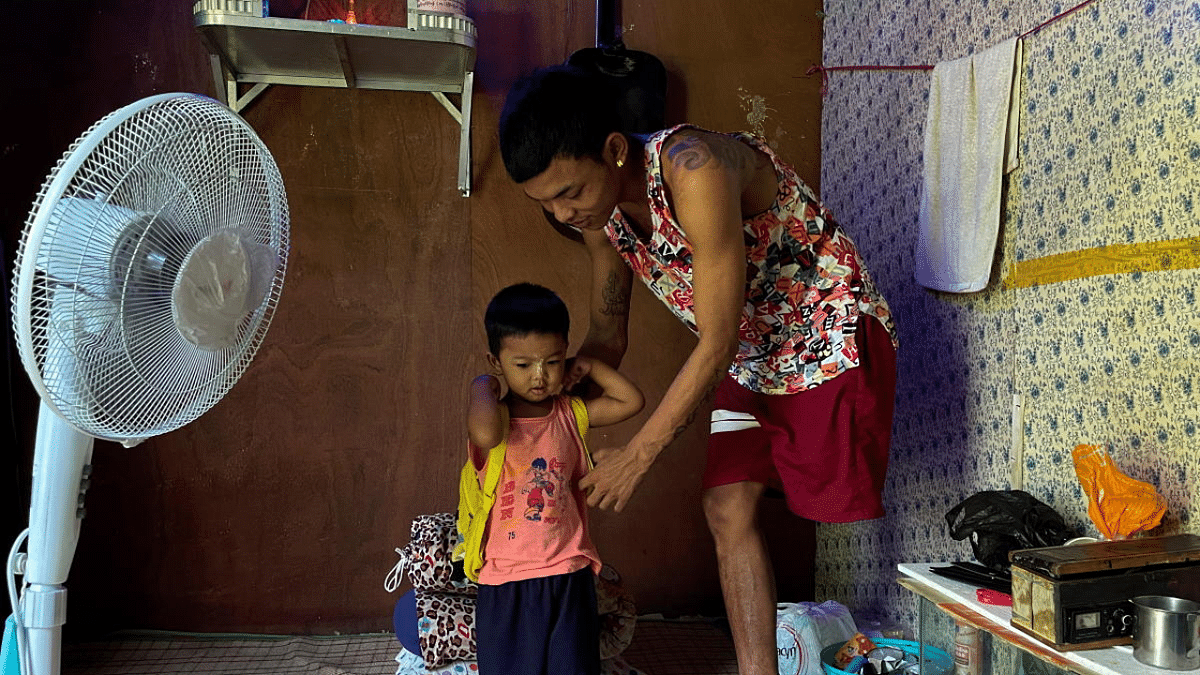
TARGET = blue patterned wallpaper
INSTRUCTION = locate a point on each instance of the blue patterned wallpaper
(1110, 154)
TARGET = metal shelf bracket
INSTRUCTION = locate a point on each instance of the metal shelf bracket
(463, 117)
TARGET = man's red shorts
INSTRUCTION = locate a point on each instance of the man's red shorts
(825, 447)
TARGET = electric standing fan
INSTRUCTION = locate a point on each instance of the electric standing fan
(150, 268)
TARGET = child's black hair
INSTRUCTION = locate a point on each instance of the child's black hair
(522, 309)
(557, 111)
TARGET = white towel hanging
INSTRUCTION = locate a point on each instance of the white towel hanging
(970, 142)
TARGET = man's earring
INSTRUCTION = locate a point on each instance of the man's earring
(620, 163)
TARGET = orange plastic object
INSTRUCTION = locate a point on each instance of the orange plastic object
(859, 644)
(1119, 505)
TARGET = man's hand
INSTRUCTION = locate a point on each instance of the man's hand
(617, 474)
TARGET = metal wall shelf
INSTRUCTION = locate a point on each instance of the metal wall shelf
(261, 51)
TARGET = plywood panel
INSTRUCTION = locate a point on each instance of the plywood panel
(279, 509)
(739, 66)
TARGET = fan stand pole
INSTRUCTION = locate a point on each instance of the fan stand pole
(60, 458)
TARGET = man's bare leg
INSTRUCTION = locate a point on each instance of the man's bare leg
(747, 580)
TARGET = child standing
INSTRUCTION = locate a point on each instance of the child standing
(536, 611)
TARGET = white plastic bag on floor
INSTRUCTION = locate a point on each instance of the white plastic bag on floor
(802, 629)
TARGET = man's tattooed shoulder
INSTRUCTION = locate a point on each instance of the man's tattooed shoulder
(691, 150)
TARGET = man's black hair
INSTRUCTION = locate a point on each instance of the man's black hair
(557, 111)
(522, 309)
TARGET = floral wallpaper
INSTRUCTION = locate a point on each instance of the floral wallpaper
(1110, 155)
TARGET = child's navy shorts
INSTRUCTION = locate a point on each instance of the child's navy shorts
(543, 626)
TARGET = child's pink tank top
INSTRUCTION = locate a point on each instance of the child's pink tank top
(538, 525)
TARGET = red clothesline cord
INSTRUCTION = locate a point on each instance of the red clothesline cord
(824, 70)
(1056, 17)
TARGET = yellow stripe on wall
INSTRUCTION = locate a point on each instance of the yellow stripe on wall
(1155, 256)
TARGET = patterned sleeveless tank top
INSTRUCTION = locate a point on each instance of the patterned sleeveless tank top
(806, 284)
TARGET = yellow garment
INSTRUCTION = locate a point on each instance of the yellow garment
(475, 502)
(1119, 505)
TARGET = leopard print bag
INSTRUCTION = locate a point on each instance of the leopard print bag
(426, 559)
(445, 628)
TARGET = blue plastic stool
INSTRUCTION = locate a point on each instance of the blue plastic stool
(404, 618)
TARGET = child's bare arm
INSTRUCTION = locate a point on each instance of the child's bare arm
(619, 398)
(487, 415)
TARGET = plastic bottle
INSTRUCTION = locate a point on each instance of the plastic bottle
(968, 650)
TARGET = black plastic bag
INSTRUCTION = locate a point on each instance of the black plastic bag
(999, 521)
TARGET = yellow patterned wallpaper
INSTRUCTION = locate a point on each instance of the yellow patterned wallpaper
(1091, 313)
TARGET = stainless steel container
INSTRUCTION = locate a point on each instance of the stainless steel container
(1167, 632)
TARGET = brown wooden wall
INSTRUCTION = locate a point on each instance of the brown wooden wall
(279, 510)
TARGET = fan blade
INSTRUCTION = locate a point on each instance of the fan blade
(84, 232)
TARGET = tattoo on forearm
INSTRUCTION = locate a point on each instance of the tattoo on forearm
(616, 296)
(683, 427)
(692, 417)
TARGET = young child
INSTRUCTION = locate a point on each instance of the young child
(536, 611)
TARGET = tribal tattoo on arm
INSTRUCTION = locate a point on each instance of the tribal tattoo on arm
(615, 296)
(708, 393)
(689, 151)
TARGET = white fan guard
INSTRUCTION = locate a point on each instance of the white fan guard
(150, 268)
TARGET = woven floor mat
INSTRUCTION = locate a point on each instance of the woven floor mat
(681, 648)
(236, 655)
(658, 648)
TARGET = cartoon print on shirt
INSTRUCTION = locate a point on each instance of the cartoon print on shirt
(542, 482)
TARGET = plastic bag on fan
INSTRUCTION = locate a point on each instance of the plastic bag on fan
(225, 276)
(1120, 506)
(999, 521)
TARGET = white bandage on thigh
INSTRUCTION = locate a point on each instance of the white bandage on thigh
(728, 420)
